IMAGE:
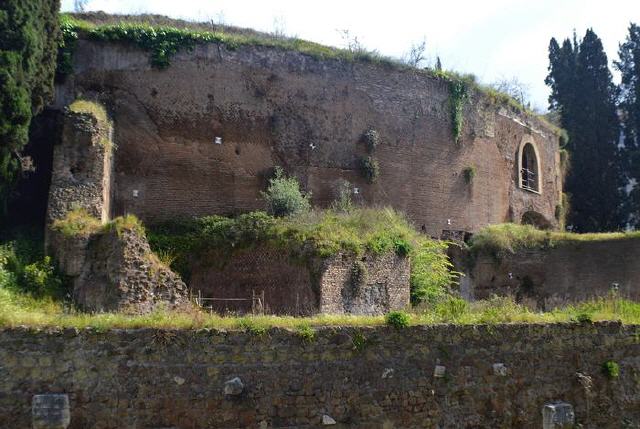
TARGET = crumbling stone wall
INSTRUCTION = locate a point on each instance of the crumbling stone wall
(269, 107)
(571, 271)
(81, 172)
(423, 377)
(292, 285)
(117, 271)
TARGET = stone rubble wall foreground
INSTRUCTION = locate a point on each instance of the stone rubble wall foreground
(447, 376)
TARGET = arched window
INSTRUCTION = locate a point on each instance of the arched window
(529, 171)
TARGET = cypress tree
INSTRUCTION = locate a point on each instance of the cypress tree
(28, 47)
(582, 91)
(629, 67)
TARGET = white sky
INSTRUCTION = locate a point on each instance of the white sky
(492, 39)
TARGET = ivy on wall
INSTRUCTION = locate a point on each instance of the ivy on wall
(458, 95)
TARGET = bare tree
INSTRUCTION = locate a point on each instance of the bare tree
(416, 55)
(351, 42)
(80, 6)
(279, 27)
(514, 88)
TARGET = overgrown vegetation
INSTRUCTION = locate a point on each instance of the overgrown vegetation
(370, 169)
(314, 234)
(611, 369)
(79, 222)
(28, 279)
(28, 42)
(85, 106)
(283, 196)
(469, 173)
(397, 319)
(508, 238)
(458, 95)
(371, 139)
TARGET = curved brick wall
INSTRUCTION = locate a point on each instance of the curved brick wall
(159, 379)
(274, 107)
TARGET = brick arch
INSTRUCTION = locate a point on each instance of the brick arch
(528, 145)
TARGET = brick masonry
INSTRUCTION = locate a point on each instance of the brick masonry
(423, 377)
(571, 271)
(302, 287)
(273, 107)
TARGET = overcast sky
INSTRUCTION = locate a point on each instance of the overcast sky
(492, 39)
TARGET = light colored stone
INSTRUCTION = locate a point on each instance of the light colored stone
(50, 411)
(558, 415)
(233, 387)
(328, 420)
(179, 380)
(439, 371)
(500, 369)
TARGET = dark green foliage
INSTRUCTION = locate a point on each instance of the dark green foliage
(397, 319)
(360, 342)
(28, 43)
(24, 268)
(469, 173)
(370, 169)
(611, 369)
(629, 67)
(283, 196)
(451, 308)
(584, 317)
(358, 274)
(371, 139)
(585, 97)
(458, 95)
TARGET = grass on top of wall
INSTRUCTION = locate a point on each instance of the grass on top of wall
(78, 222)
(91, 107)
(23, 310)
(161, 37)
(509, 238)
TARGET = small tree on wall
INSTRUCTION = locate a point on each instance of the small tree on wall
(283, 196)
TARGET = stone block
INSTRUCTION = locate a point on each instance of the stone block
(50, 411)
(558, 415)
(233, 387)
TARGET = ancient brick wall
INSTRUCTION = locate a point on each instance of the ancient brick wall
(273, 107)
(81, 172)
(298, 286)
(572, 271)
(424, 377)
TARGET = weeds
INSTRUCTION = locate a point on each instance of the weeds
(611, 369)
(397, 319)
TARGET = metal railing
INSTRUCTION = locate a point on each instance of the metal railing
(529, 179)
(257, 302)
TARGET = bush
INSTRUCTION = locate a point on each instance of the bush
(371, 139)
(306, 333)
(432, 272)
(611, 369)
(469, 173)
(370, 169)
(397, 319)
(451, 309)
(343, 201)
(283, 196)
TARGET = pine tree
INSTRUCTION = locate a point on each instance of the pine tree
(583, 93)
(629, 67)
(28, 48)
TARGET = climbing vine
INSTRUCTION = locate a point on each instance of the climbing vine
(458, 95)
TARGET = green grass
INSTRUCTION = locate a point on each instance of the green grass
(18, 309)
(78, 222)
(90, 107)
(510, 238)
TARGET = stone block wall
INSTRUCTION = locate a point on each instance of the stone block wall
(571, 271)
(422, 377)
(120, 273)
(295, 286)
(81, 172)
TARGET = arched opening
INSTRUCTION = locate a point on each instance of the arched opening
(529, 168)
(536, 219)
